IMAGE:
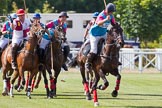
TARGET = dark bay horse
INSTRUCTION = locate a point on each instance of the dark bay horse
(53, 61)
(27, 59)
(104, 63)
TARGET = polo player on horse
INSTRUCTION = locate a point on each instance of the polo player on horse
(20, 28)
(90, 24)
(98, 31)
(7, 33)
(51, 27)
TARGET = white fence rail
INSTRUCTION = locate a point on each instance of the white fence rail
(137, 59)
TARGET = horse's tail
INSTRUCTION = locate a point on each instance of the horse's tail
(73, 62)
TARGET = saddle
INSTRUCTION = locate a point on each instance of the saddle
(86, 47)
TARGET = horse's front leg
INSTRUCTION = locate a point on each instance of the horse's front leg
(56, 74)
(52, 86)
(46, 83)
(85, 83)
(106, 83)
(118, 76)
(32, 74)
(21, 74)
(94, 88)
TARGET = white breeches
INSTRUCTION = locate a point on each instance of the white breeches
(94, 42)
(17, 41)
(3, 42)
(44, 43)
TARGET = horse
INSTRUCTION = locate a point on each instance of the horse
(53, 61)
(104, 63)
(9, 73)
(27, 59)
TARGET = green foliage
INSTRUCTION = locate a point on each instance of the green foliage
(141, 18)
(154, 44)
(14, 6)
(3, 7)
(47, 8)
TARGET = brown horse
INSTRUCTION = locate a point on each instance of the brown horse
(27, 59)
(53, 61)
(103, 64)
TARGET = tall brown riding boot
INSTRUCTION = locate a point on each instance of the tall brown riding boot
(13, 57)
(88, 64)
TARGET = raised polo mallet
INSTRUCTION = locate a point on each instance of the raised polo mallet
(104, 3)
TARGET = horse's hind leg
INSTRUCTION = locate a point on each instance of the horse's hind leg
(8, 79)
(13, 78)
(4, 73)
(85, 83)
(106, 83)
(18, 83)
(118, 76)
(38, 80)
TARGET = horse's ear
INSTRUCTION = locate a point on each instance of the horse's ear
(31, 20)
(117, 24)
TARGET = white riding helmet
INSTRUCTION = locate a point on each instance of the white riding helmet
(13, 15)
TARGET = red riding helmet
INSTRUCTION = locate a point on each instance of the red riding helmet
(20, 12)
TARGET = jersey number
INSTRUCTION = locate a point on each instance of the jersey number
(18, 23)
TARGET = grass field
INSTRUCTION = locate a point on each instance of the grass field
(137, 91)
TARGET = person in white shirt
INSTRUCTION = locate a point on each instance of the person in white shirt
(20, 28)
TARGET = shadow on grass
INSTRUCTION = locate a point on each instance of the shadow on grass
(143, 94)
(133, 106)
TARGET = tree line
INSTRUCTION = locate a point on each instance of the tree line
(139, 18)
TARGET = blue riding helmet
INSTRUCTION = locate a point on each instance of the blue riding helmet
(111, 7)
(13, 15)
(95, 14)
(36, 15)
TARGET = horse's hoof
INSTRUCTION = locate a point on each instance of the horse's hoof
(12, 96)
(29, 97)
(48, 97)
(96, 104)
(114, 93)
(18, 90)
(36, 86)
(4, 93)
(16, 86)
(53, 94)
(88, 97)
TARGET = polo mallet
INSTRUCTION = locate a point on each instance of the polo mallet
(25, 8)
(52, 59)
(104, 3)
